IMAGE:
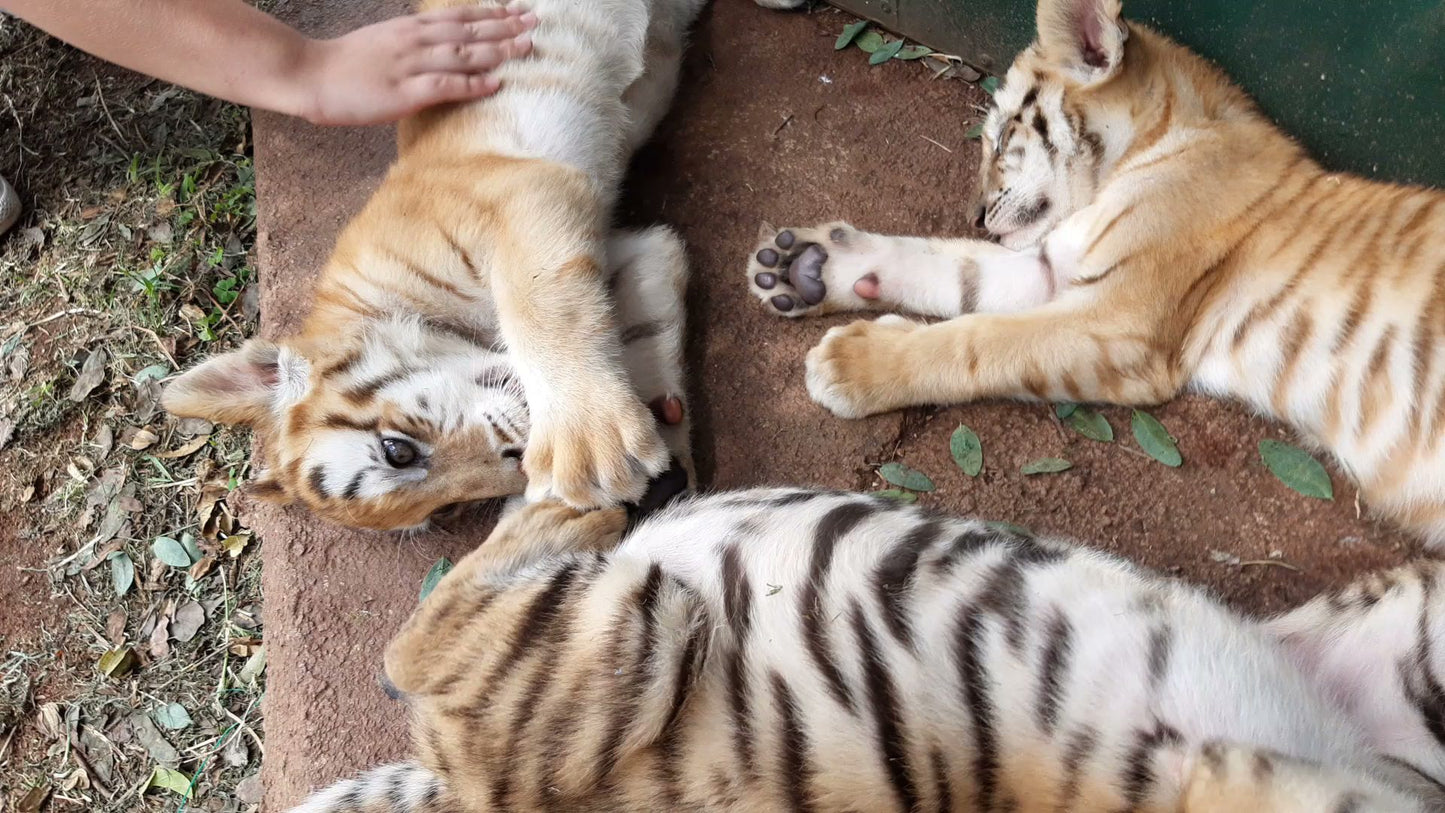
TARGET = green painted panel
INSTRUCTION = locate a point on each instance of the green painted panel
(1362, 84)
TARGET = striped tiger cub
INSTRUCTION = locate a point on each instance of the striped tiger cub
(475, 331)
(808, 650)
(1153, 231)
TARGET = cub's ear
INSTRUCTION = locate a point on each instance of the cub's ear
(249, 386)
(1085, 38)
(267, 488)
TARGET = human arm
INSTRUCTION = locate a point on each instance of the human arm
(227, 49)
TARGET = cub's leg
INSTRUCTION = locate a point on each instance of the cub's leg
(649, 286)
(650, 95)
(835, 267)
(1059, 352)
(1232, 778)
(1378, 648)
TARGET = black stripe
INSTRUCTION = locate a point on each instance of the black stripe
(366, 389)
(1420, 685)
(737, 605)
(1349, 803)
(1161, 640)
(625, 698)
(354, 487)
(317, 478)
(337, 421)
(796, 770)
(977, 696)
(887, 716)
(895, 572)
(941, 787)
(1004, 594)
(1080, 747)
(831, 528)
(966, 544)
(645, 330)
(540, 614)
(1058, 646)
(467, 333)
(1139, 770)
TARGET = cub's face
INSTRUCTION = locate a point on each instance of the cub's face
(381, 434)
(1042, 154)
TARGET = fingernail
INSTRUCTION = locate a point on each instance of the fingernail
(528, 20)
(523, 43)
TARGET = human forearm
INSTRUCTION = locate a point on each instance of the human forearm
(227, 49)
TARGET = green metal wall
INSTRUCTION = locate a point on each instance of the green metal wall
(1361, 83)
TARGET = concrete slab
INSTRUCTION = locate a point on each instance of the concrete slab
(771, 124)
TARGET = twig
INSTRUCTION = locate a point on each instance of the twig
(786, 122)
(99, 94)
(1275, 562)
(935, 143)
(62, 314)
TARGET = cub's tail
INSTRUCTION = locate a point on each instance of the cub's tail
(405, 787)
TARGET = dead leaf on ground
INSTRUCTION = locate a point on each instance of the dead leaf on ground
(250, 789)
(92, 372)
(194, 426)
(151, 739)
(202, 568)
(115, 627)
(118, 662)
(49, 721)
(188, 620)
(102, 553)
(147, 399)
(235, 544)
(35, 798)
(188, 448)
(160, 638)
(235, 753)
(104, 441)
(18, 364)
(143, 439)
(244, 647)
(7, 431)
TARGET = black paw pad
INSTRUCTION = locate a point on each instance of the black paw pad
(784, 239)
(768, 258)
(806, 274)
(766, 280)
(661, 490)
(782, 302)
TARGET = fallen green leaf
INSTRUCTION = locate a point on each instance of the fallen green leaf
(193, 551)
(1047, 465)
(914, 52)
(1155, 440)
(173, 781)
(989, 85)
(155, 372)
(118, 662)
(967, 451)
(122, 572)
(171, 552)
(850, 33)
(904, 477)
(869, 41)
(1065, 409)
(976, 131)
(1091, 425)
(897, 494)
(172, 716)
(442, 567)
(1297, 469)
(886, 52)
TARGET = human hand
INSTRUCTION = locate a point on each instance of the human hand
(392, 69)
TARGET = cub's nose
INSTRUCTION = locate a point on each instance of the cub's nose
(979, 215)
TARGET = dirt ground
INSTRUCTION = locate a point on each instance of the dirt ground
(771, 124)
(130, 665)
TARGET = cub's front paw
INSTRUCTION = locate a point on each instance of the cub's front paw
(594, 451)
(861, 368)
(563, 527)
(809, 272)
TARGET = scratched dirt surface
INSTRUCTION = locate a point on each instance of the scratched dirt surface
(771, 124)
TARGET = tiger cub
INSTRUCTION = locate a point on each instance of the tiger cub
(469, 325)
(808, 650)
(1155, 231)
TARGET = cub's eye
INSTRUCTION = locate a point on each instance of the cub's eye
(399, 453)
(512, 453)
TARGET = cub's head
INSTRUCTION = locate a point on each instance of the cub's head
(1047, 138)
(379, 432)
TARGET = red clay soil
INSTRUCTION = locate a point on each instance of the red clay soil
(771, 124)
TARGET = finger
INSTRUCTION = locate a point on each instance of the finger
(428, 89)
(466, 14)
(476, 30)
(468, 57)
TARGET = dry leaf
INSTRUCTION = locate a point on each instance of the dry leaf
(165, 206)
(235, 754)
(32, 801)
(115, 627)
(150, 737)
(49, 720)
(104, 441)
(186, 449)
(188, 620)
(194, 426)
(19, 363)
(118, 662)
(250, 789)
(143, 439)
(92, 372)
(160, 638)
(202, 568)
(7, 431)
(244, 647)
(191, 313)
(235, 544)
(102, 553)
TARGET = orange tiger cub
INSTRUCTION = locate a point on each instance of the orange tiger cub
(1155, 232)
(474, 320)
